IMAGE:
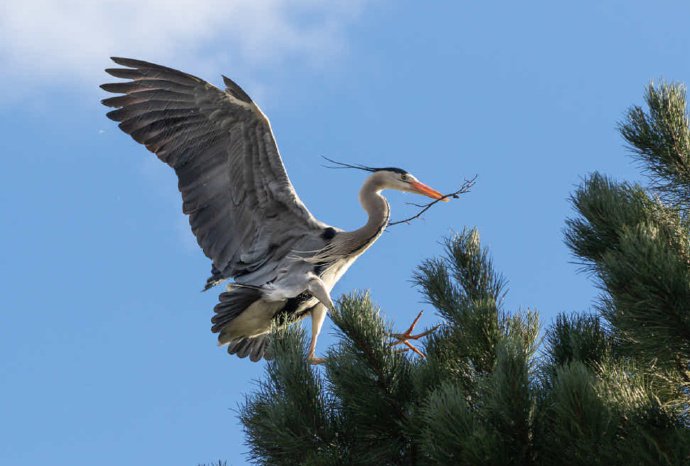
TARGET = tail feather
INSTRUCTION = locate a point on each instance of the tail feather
(254, 347)
(240, 347)
(232, 304)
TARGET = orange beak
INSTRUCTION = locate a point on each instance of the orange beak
(421, 188)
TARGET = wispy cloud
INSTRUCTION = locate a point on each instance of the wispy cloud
(53, 42)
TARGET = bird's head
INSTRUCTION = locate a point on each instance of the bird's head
(401, 180)
(393, 178)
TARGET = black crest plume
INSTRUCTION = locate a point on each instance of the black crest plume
(340, 165)
(358, 166)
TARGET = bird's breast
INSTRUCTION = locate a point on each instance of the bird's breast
(332, 274)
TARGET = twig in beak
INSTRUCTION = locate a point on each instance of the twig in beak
(464, 188)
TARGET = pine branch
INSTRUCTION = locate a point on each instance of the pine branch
(639, 251)
(288, 420)
(577, 337)
(508, 403)
(574, 423)
(452, 433)
(660, 139)
(372, 383)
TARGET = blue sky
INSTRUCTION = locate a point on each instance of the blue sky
(106, 353)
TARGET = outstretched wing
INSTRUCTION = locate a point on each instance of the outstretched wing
(242, 207)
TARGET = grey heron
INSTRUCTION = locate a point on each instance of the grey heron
(241, 205)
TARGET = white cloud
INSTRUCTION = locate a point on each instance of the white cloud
(53, 42)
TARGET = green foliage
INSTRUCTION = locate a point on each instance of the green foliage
(605, 388)
(637, 246)
(469, 294)
(507, 405)
(660, 139)
(612, 416)
(577, 337)
(575, 428)
(371, 382)
(288, 421)
(452, 433)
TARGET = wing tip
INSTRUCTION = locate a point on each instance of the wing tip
(235, 90)
(130, 62)
(113, 102)
(125, 73)
(114, 115)
(108, 87)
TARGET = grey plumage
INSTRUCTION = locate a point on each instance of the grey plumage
(231, 305)
(222, 149)
(254, 347)
(241, 205)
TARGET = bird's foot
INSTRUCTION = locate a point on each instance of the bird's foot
(403, 338)
(314, 361)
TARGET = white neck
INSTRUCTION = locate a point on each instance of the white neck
(379, 213)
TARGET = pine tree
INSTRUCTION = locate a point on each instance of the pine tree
(607, 387)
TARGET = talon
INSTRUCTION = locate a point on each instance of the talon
(403, 338)
(410, 346)
(413, 348)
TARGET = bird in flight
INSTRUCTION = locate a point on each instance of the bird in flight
(242, 208)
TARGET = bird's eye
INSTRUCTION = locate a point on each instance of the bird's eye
(403, 177)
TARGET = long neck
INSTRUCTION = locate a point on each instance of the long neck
(379, 213)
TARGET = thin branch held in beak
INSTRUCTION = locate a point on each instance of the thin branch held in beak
(464, 188)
